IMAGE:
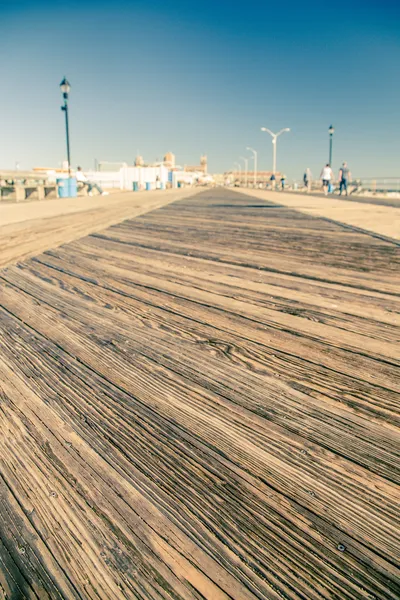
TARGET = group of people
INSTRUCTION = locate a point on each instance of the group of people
(327, 177)
(273, 181)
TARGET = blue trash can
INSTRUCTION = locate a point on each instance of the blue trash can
(73, 187)
(67, 187)
(135, 186)
(63, 188)
(148, 186)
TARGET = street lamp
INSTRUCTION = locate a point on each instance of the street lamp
(65, 89)
(255, 164)
(239, 166)
(331, 132)
(246, 162)
(274, 138)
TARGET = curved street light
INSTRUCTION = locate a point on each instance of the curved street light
(274, 138)
(255, 164)
(239, 166)
(246, 162)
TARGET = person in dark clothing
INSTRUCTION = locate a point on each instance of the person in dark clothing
(307, 179)
(344, 177)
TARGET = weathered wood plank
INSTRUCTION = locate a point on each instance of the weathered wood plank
(202, 403)
(308, 417)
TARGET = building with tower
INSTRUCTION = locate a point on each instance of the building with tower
(169, 160)
(201, 168)
(139, 162)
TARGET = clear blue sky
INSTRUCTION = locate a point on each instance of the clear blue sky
(196, 77)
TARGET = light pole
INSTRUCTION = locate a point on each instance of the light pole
(65, 88)
(274, 138)
(255, 164)
(239, 166)
(246, 163)
(331, 132)
(233, 171)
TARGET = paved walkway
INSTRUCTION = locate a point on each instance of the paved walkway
(378, 200)
(383, 220)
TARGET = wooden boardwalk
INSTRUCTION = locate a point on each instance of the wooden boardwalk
(202, 403)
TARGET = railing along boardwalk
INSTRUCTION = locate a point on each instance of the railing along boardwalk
(202, 402)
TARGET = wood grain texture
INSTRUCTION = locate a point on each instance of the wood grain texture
(202, 402)
(29, 228)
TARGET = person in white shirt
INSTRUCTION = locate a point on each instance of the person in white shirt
(327, 177)
(81, 178)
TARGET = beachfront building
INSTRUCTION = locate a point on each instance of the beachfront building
(262, 177)
(169, 160)
(201, 168)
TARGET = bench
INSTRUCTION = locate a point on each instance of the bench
(23, 191)
(81, 189)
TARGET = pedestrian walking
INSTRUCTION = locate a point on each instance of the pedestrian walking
(344, 178)
(307, 179)
(327, 178)
(81, 178)
(283, 181)
(273, 181)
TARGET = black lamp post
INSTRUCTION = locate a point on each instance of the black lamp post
(331, 132)
(65, 88)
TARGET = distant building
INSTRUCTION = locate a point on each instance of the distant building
(139, 162)
(202, 168)
(262, 176)
(169, 160)
(219, 178)
(106, 166)
(49, 169)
